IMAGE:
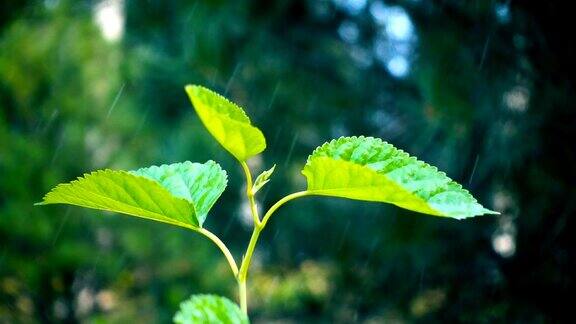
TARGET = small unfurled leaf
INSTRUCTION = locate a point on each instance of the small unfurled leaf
(209, 309)
(262, 179)
(180, 194)
(367, 168)
(227, 122)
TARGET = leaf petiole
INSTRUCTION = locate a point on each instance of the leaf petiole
(281, 202)
(222, 248)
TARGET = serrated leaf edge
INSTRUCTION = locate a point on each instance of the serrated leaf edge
(404, 154)
(210, 162)
(162, 218)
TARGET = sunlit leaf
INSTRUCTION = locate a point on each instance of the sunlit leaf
(262, 179)
(209, 309)
(179, 194)
(227, 122)
(367, 168)
(200, 184)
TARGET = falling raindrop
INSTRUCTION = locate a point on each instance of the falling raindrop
(58, 148)
(115, 101)
(473, 169)
(484, 52)
(231, 79)
(274, 93)
(61, 226)
(291, 149)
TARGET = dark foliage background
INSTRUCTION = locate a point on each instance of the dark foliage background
(482, 89)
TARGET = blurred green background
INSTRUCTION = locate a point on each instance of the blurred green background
(482, 89)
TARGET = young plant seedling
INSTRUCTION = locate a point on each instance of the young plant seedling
(181, 194)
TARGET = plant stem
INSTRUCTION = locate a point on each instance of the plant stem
(242, 296)
(222, 247)
(243, 272)
(250, 194)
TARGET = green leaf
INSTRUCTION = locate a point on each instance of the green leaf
(367, 168)
(200, 184)
(209, 309)
(262, 179)
(180, 194)
(227, 122)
